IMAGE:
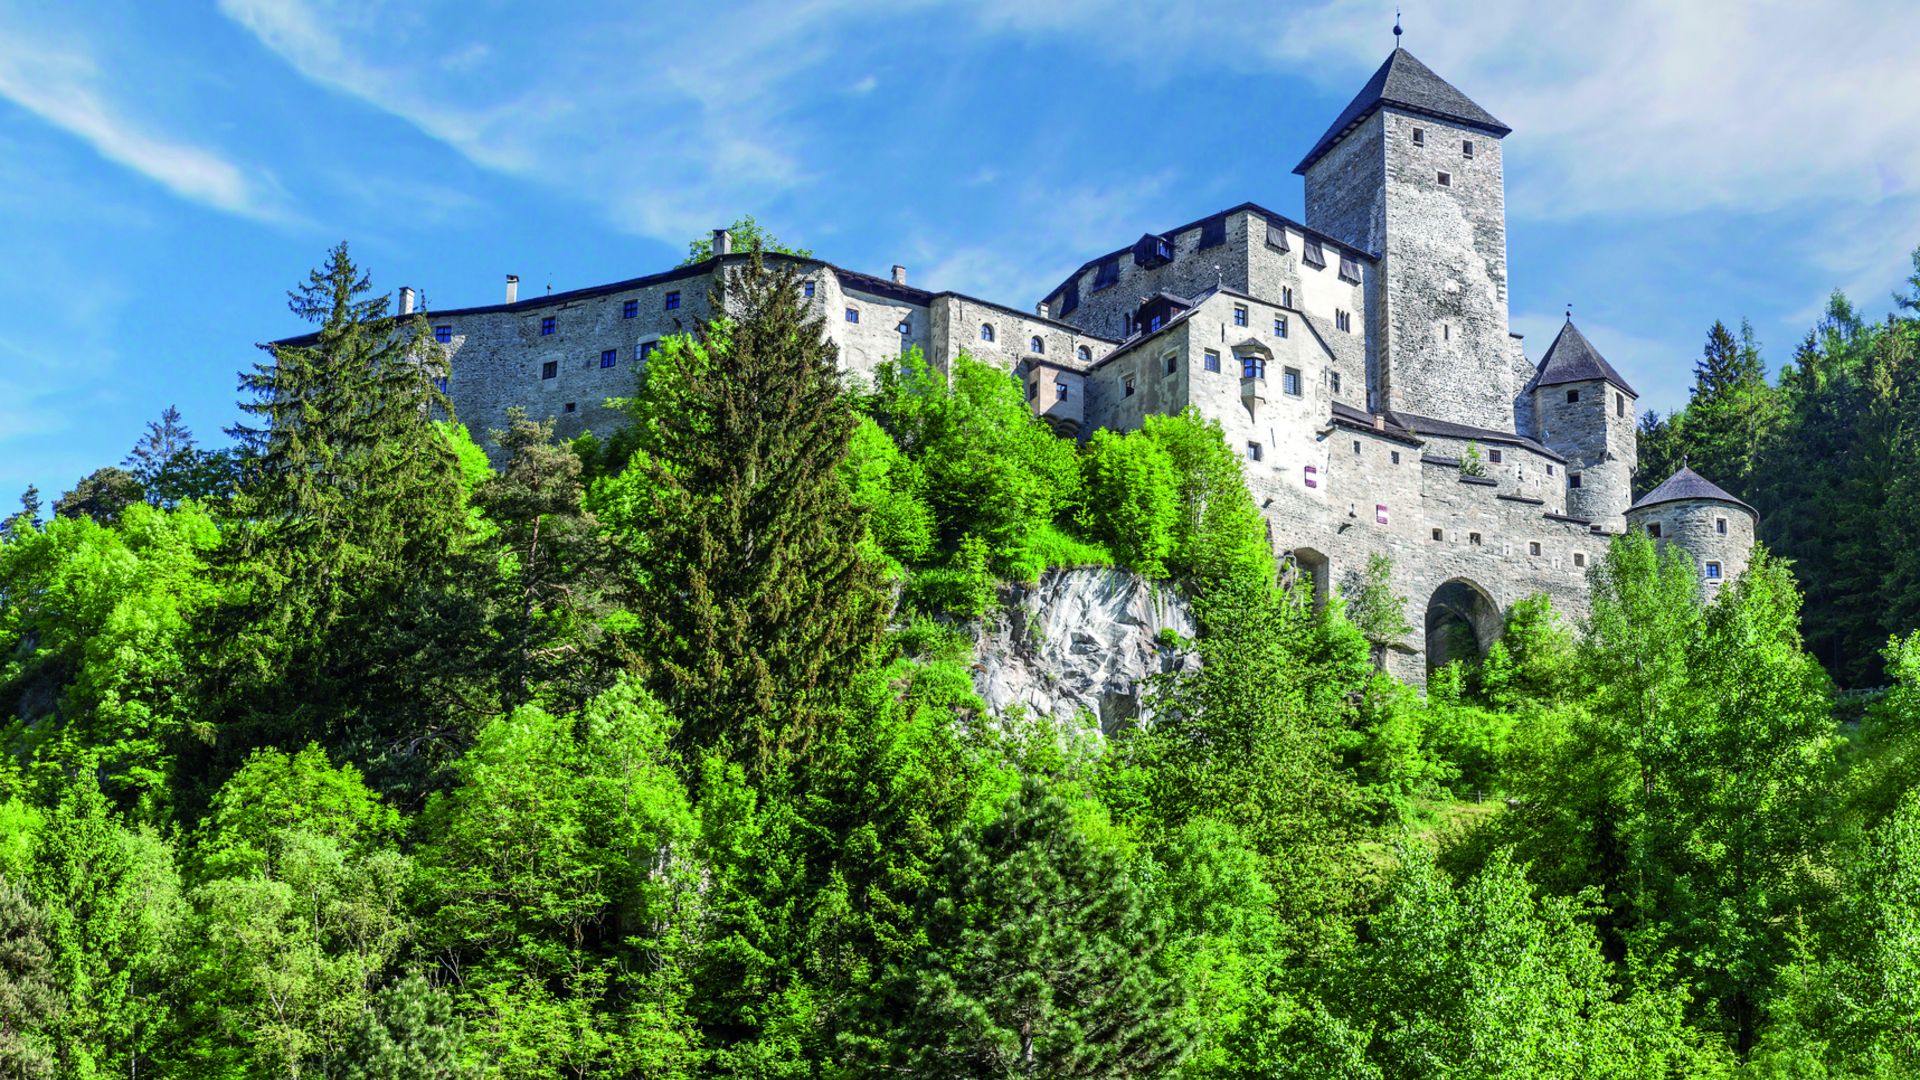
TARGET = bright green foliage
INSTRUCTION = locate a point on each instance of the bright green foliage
(967, 585)
(30, 1003)
(1217, 531)
(1043, 958)
(1472, 463)
(299, 901)
(747, 235)
(95, 647)
(760, 597)
(989, 467)
(558, 879)
(888, 485)
(1485, 980)
(409, 1032)
(112, 918)
(1374, 609)
(1133, 499)
(1534, 658)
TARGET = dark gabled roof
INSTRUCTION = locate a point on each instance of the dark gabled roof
(1347, 416)
(1269, 215)
(1447, 429)
(1403, 82)
(1572, 358)
(1687, 484)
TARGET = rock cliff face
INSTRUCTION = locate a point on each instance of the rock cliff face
(1080, 639)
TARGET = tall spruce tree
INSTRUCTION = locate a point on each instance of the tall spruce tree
(761, 598)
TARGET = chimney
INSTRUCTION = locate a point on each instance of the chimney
(722, 242)
(1379, 422)
(513, 288)
(406, 299)
(1041, 309)
(899, 274)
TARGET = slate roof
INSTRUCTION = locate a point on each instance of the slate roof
(1405, 83)
(1687, 484)
(1572, 358)
(1427, 425)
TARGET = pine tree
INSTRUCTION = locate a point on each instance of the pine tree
(1044, 959)
(760, 596)
(1731, 414)
(28, 995)
(101, 495)
(166, 440)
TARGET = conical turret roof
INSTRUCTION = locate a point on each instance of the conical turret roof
(1572, 358)
(1405, 83)
(1687, 484)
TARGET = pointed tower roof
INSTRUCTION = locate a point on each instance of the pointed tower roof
(1687, 484)
(1405, 83)
(1572, 358)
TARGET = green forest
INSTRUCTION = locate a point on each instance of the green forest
(369, 746)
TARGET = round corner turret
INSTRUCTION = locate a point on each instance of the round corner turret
(1715, 528)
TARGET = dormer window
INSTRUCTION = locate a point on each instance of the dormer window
(1154, 325)
(986, 332)
(1036, 346)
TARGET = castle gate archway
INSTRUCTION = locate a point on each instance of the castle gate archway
(1462, 623)
(1305, 566)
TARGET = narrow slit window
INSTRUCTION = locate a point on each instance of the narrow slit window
(1720, 526)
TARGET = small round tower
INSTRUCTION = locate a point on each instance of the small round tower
(1714, 527)
(1584, 411)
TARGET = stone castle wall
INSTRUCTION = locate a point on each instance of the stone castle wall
(1695, 525)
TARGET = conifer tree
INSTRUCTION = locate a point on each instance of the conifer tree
(761, 599)
(28, 996)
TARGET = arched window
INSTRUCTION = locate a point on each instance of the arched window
(986, 331)
(1085, 353)
(1036, 345)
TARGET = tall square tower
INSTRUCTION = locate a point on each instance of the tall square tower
(1412, 171)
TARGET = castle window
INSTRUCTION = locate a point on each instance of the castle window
(1036, 346)
(1419, 136)
(1253, 451)
(1335, 377)
(1573, 397)
(1173, 363)
(1720, 526)
(1342, 321)
(1085, 354)
(1279, 326)
(440, 383)
(1466, 148)
(1396, 456)
(1446, 180)
(1290, 381)
(644, 350)
(1127, 388)
(1573, 479)
(853, 315)
(673, 301)
(550, 369)
(1253, 366)
(630, 309)
(1033, 391)
(1313, 477)
(1213, 232)
(1579, 558)
(443, 334)
(1473, 538)
(1713, 571)
(905, 327)
(1155, 326)
(1313, 256)
(1349, 269)
(1239, 314)
(986, 331)
(1439, 534)
(1356, 446)
(1549, 470)
(1107, 273)
(1070, 297)
(806, 290)
(1210, 360)
(1533, 548)
(1380, 513)
(1653, 530)
(1286, 296)
(1494, 456)
(1619, 404)
(1059, 391)
(546, 326)
(570, 406)
(609, 357)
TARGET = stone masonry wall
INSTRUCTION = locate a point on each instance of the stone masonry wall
(1694, 524)
(1596, 436)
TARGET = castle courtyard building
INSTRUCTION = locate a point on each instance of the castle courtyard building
(1361, 361)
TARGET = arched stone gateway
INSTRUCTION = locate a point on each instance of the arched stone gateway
(1462, 623)
(1316, 570)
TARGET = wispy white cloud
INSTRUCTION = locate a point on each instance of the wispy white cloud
(64, 86)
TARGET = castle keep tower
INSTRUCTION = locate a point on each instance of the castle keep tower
(1411, 171)
(1584, 411)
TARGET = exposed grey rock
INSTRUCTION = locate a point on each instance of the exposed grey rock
(1079, 640)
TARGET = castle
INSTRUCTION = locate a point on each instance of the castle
(1361, 360)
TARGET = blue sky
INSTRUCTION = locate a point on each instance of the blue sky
(167, 172)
